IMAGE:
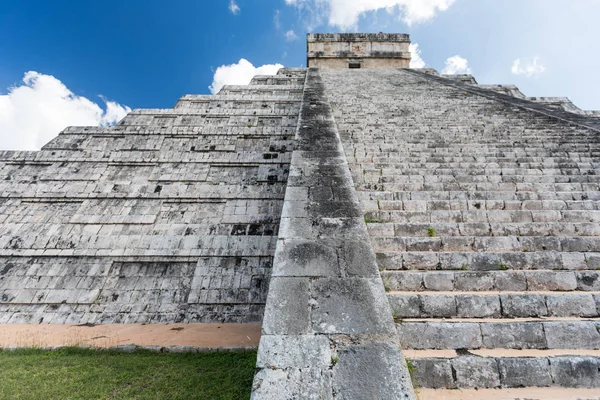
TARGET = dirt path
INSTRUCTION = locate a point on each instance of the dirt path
(198, 335)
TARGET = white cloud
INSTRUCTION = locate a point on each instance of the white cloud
(277, 19)
(345, 14)
(456, 65)
(233, 7)
(295, 2)
(416, 61)
(240, 74)
(528, 66)
(34, 112)
(290, 35)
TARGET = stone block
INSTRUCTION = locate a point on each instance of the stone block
(371, 370)
(511, 281)
(291, 384)
(288, 312)
(523, 305)
(572, 335)
(405, 306)
(507, 335)
(439, 281)
(576, 372)
(420, 260)
(588, 280)
(439, 335)
(474, 281)
(438, 306)
(300, 351)
(551, 281)
(478, 306)
(298, 257)
(571, 305)
(476, 372)
(358, 258)
(524, 372)
(435, 373)
(358, 307)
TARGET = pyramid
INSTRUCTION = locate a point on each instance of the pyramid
(363, 212)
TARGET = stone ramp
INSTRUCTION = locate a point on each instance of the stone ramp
(483, 212)
(328, 330)
(170, 216)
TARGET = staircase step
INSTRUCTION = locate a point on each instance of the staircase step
(494, 304)
(475, 216)
(538, 334)
(531, 369)
(537, 232)
(487, 261)
(436, 281)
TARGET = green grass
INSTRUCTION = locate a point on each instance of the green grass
(91, 374)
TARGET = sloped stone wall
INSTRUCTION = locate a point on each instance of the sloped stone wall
(170, 216)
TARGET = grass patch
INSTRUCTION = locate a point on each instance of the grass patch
(74, 373)
(431, 231)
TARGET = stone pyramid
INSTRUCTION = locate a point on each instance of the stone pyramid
(361, 211)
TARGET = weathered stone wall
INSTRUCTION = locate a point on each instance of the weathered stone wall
(170, 216)
(370, 50)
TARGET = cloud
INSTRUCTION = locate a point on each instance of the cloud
(233, 7)
(290, 35)
(34, 112)
(345, 14)
(240, 74)
(298, 3)
(529, 67)
(277, 20)
(416, 61)
(456, 65)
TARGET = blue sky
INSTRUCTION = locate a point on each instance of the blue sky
(148, 53)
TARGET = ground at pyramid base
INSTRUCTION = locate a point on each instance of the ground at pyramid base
(390, 229)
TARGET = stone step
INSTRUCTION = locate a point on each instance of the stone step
(434, 195)
(494, 304)
(530, 369)
(534, 234)
(540, 334)
(477, 205)
(448, 281)
(428, 180)
(487, 261)
(482, 187)
(401, 171)
(486, 243)
(474, 216)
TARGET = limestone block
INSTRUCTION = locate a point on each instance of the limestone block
(505, 335)
(579, 305)
(433, 373)
(580, 334)
(575, 371)
(523, 306)
(524, 372)
(475, 306)
(476, 372)
(439, 335)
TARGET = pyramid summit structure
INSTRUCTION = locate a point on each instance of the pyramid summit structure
(364, 213)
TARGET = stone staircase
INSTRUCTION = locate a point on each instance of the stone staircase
(484, 216)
